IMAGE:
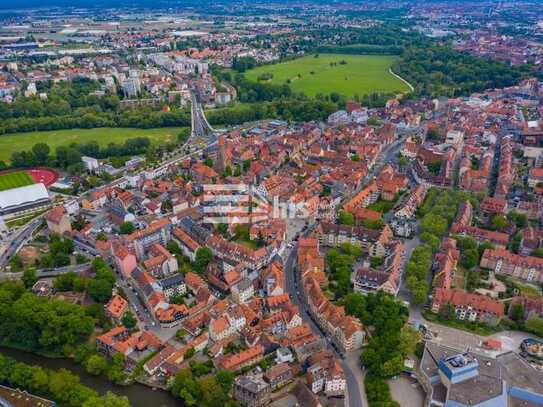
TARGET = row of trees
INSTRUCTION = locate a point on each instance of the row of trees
(143, 117)
(362, 49)
(302, 109)
(62, 386)
(69, 157)
(416, 271)
(437, 214)
(391, 342)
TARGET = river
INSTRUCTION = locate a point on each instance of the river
(138, 394)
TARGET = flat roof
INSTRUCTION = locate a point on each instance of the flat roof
(23, 195)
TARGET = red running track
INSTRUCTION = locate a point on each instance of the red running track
(44, 175)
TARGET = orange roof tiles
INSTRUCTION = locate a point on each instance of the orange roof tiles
(116, 306)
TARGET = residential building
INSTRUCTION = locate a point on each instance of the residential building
(535, 176)
(386, 277)
(240, 360)
(252, 391)
(467, 306)
(116, 308)
(502, 261)
(372, 241)
(173, 286)
(188, 245)
(220, 329)
(125, 261)
(161, 263)
(326, 374)
(409, 207)
(157, 232)
(279, 375)
(531, 306)
(243, 291)
(58, 220)
(493, 206)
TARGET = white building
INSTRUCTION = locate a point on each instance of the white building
(131, 87)
(91, 164)
(31, 90)
(284, 355)
(29, 198)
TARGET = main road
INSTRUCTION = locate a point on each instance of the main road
(15, 242)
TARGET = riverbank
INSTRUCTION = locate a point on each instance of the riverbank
(138, 394)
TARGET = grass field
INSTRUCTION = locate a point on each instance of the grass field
(104, 135)
(14, 180)
(362, 74)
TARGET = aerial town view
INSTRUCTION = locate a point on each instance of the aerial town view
(286, 204)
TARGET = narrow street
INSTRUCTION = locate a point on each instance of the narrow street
(356, 396)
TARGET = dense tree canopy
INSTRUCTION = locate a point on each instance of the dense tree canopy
(61, 385)
(40, 324)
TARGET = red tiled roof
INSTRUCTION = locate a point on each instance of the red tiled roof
(465, 299)
(116, 306)
(55, 214)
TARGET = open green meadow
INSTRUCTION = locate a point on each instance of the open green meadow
(14, 180)
(10, 143)
(326, 73)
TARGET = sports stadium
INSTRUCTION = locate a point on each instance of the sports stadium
(23, 191)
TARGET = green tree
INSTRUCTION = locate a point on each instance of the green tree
(519, 219)
(107, 400)
(432, 240)
(16, 263)
(376, 224)
(95, 365)
(190, 353)
(203, 257)
(469, 258)
(29, 277)
(99, 290)
(41, 153)
(499, 222)
(447, 312)
(517, 312)
(402, 160)
(434, 224)
(127, 228)
(346, 218)
(116, 372)
(129, 320)
(535, 326)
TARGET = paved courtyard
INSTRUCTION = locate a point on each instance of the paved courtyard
(406, 391)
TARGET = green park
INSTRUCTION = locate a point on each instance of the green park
(11, 143)
(348, 75)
